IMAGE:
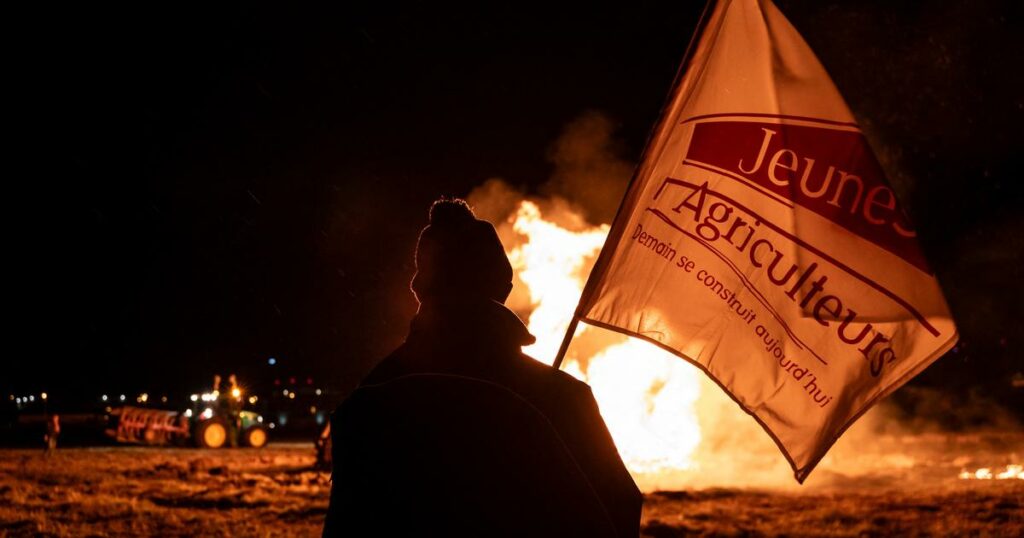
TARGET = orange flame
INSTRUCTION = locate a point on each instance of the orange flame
(650, 399)
(646, 396)
(986, 473)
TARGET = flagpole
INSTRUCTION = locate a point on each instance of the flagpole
(602, 257)
(565, 341)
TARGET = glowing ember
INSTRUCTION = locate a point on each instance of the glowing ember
(986, 473)
(646, 396)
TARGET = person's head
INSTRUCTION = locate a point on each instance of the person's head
(460, 257)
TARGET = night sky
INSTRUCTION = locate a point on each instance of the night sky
(220, 184)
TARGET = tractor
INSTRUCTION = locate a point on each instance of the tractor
(213, 431)
(205, 423)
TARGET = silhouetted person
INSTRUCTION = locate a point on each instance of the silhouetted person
(457, 432)
(52, 433)
(230, 402)
(324, 452)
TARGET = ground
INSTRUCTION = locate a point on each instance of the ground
(121, 491)
(162, 492)
(989, 509)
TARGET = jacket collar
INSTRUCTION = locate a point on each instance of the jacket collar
(465, 323)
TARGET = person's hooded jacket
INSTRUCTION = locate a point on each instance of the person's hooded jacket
(462, 331)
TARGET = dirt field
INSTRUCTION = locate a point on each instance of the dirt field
(273, 492)
(162, 492)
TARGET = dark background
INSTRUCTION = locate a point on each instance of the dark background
(220, 184)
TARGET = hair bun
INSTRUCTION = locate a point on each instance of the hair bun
(450, 211)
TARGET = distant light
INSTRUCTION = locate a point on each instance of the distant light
(122, 397)
(291, 395)
(17, 401)
(207, 413)
(272, 425)
(104, 397)
(143, 398)
(43, 395)
(271, 361)
(31, 397)
(291, 380)
(163, 399)
(312, 410)
(309, 380)
(12, 397)
(236, 393)
(252, 399)
(319, 392)
(188, 412)
(285, 392)
(194, 397)
(108, 409)
(259, 418)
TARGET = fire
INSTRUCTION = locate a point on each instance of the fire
(551, 263)
(986, 473)
(650, 398)
(646, 396)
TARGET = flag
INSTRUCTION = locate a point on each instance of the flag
(760, 241)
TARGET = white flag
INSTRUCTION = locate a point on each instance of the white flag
(761, 241)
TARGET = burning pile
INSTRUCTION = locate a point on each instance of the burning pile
(672, 426)
(647, 396)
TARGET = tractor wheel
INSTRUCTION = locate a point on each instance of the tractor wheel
(212, 433)
(255, 436)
